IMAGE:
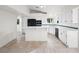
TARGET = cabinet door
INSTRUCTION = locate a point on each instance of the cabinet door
(72, 39)
(75, 15)
(51, 30)
(63, 35)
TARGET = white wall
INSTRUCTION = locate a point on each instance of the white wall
(7, 21)
(7, 27)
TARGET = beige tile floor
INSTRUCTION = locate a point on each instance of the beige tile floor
(53, 45)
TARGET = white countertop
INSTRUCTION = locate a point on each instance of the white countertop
(37, 27)
(63, 25)
(45, 26)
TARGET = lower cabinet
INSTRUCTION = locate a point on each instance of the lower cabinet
(69, 37)
(72, 38)
(51, 30)
(63, 35)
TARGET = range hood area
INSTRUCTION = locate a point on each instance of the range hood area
(37, 11)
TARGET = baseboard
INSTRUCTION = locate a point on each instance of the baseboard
(7, 38)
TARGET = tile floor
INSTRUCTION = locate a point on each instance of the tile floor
(53, 45)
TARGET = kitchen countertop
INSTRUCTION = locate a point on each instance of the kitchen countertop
(45, 26)
(37, 27)
(73, 26)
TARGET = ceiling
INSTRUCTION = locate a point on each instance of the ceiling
(50, 8)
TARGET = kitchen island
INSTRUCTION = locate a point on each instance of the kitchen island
(36, 34)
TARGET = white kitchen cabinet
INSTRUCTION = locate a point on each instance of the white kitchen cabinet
(72, 38)
(36, 34)
(63, 34)
(51, 29)
(75, 14)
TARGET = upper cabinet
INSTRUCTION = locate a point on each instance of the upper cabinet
(75, 14)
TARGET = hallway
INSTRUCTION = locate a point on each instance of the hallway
(52, 46)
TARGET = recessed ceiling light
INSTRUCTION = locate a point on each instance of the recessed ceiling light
(41, 6)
